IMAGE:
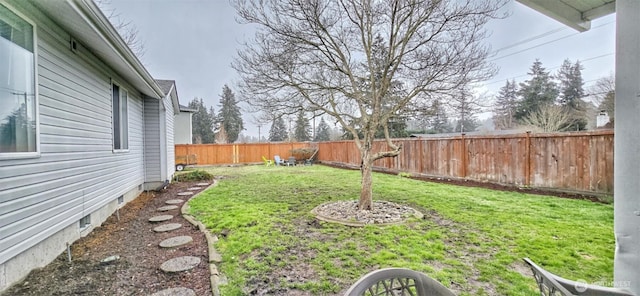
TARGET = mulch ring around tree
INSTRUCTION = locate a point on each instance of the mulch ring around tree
(135, 254)
(347, 213)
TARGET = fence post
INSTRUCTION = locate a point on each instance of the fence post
(420, 163)
(464, 157)
(527, 161)
(234, 156)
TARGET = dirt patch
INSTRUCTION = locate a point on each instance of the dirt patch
(131, 237)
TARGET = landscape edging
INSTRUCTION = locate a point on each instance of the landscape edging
(214, 277)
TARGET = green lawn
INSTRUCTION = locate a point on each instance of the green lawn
(471, 240)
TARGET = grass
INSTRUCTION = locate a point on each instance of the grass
(472, 240)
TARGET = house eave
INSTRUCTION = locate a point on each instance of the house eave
(97, 34)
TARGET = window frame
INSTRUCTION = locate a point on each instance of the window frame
(36, 101)
(123, 131)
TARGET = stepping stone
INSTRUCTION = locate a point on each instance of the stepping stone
(194, 188)
(160, 218)
(180, 264)
(167, 227)
(176, 241)
(174, 201)
(175, 292)
(202, 184)
(167, 208)
(186, 193)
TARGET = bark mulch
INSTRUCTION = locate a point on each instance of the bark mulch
(131, 237)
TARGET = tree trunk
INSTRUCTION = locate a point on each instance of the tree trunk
(366, 191)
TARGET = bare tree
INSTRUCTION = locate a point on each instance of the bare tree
(604, 93)
(127, 30)
(362, 61)
(221, 136)
(549, 118)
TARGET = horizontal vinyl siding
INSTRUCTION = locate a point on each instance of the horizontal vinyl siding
(152, 140)
(170, 116)
(77, 171)
(182, 128)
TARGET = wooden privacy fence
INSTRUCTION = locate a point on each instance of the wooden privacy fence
(575, 161)
(214, 154)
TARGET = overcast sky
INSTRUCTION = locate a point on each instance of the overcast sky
(194, 42)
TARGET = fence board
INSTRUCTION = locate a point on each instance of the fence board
(576, 161)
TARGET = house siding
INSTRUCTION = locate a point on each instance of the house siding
(77, 172)
(169, 128)
(183, 128)
(152, 153)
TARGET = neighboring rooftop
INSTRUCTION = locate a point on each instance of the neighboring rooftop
(165, 85)
(184, 108)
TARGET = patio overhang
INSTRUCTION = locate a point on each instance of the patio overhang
(576, 14)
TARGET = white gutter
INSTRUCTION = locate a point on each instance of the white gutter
(94, 17)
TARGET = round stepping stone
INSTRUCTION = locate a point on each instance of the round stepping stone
(186, 193)
(202, 184)
(167, 227)
(160, 218)
(176, 241)
(174, 201)
(180, 291)
(180, 264)
(167, 208)
(194, 188)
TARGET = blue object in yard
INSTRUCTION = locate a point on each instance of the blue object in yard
(278, 160)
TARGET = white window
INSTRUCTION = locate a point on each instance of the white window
(18, 115)
(120, 118)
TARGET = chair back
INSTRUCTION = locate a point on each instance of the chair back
(551, 284)
(397, 281)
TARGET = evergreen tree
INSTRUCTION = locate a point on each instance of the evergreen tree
(202, 122)
(322, 132)
(505, 106)
(278, 131)
(303, 129)
(465, 108)
(229, 115)
(538, 91)
(571, 93)
(438, 120)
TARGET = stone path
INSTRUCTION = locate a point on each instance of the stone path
(174, 201)
(178, 264)
(167, 227)
(175, 292)
(183, 263)
(167, 208)
(160, 218)
(177, 241)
